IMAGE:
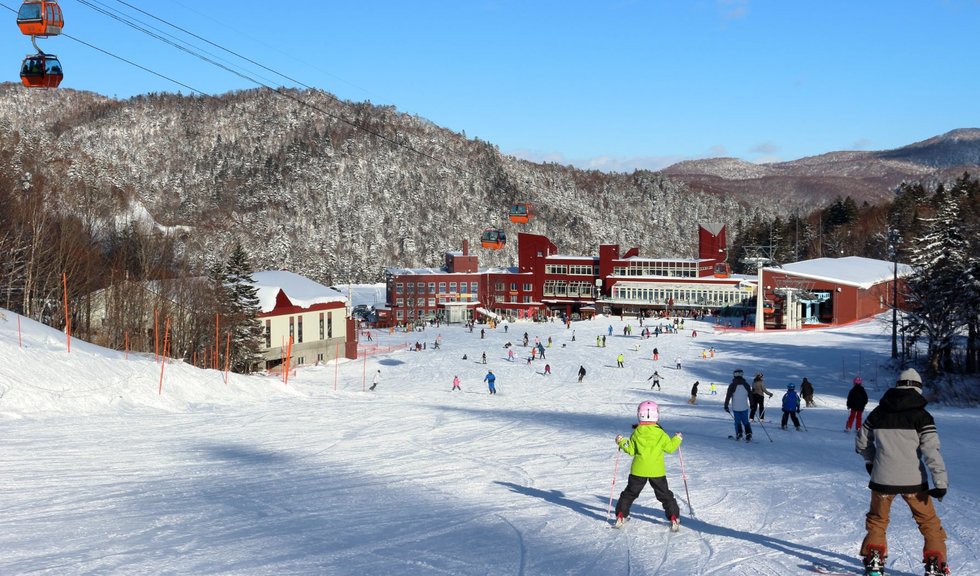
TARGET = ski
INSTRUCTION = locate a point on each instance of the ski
(826, 571)
(746, 440)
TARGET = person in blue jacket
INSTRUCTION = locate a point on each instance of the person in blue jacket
(791, 406)
(489, 379)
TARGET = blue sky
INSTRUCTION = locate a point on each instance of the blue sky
(613, 85)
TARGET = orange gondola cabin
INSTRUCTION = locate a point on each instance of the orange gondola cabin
(493, 239)
(40, 18)
(520, 213)
(41, 71)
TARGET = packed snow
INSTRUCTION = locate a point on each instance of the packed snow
(114, 463)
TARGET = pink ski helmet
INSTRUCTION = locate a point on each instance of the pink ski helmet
(858, 380)
(648, 411)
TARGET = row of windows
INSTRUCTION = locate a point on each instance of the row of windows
(422, 287)
(700, 296)
(577, 269)
(296, 328)
(682, 270)
(502, 286)
(573, 289)
(431, 302)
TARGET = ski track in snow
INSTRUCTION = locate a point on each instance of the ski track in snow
(103, 475)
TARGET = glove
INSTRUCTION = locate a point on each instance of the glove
(679, 435)
(727, 410)
(938, 493)
(869, 467)
(619, 438)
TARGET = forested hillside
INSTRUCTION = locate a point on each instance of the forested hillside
(333, 190)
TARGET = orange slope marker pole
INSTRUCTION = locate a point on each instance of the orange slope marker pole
(336, 367)
(227, 354)
(64, 281)
(289, 361)
(163, 363)
(217, 343)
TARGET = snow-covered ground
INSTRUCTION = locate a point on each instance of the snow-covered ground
(101, 472)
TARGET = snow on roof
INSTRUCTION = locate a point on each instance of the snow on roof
(300, 290)
(851, 270)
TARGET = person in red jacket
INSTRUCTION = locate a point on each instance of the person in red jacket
(647, 445)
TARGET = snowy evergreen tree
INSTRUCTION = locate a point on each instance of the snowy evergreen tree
(940, 258)
(241, 303)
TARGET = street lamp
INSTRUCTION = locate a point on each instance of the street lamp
(893, 239)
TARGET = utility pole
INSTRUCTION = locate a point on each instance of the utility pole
(893, 240)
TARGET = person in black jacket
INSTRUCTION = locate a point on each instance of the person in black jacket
(898, 442)
(806, 391)
(857, 399)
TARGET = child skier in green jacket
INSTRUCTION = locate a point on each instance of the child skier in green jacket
(647, 445)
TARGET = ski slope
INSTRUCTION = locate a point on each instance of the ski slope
(102, 473)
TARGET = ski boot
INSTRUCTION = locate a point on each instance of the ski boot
(675, 524)
(748, 437)
(738, 436)
(874, 562)
(620, 520)
(934, 567)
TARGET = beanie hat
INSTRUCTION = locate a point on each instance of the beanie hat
(909, 377)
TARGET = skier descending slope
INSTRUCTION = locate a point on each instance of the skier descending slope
(738, 397)
(647, 446)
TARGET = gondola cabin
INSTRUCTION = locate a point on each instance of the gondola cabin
(520, 213)
(41, 71)
(40, 18)
(722, 270)
(493, 239)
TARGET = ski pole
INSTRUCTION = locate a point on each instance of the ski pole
(684, 478)
(761, 425)
(612, 489)
(802, 423)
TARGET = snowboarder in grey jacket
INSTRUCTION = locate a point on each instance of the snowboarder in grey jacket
(898, 442)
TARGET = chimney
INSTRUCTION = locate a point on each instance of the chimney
(466, 247)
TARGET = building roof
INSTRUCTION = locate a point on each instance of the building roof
(301, 291)
(850, 270)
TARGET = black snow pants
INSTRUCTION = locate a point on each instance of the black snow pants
(758, 404)
(635, 484)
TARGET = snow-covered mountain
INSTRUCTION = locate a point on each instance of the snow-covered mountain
(816, 180)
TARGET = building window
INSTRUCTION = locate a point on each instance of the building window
(528, 287)
(268, 333)
(399, 287)
(330, 325)
(411, 288)
(399, 315)
(432, 302)
(475, 287)
(420, 303)
(299, 328)
(513, 286)
(421, 287)
(399, 302)
(499, 286)
(527, 299)
(452, 287)
(442, 287)
(292, 329)
(321, 326)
